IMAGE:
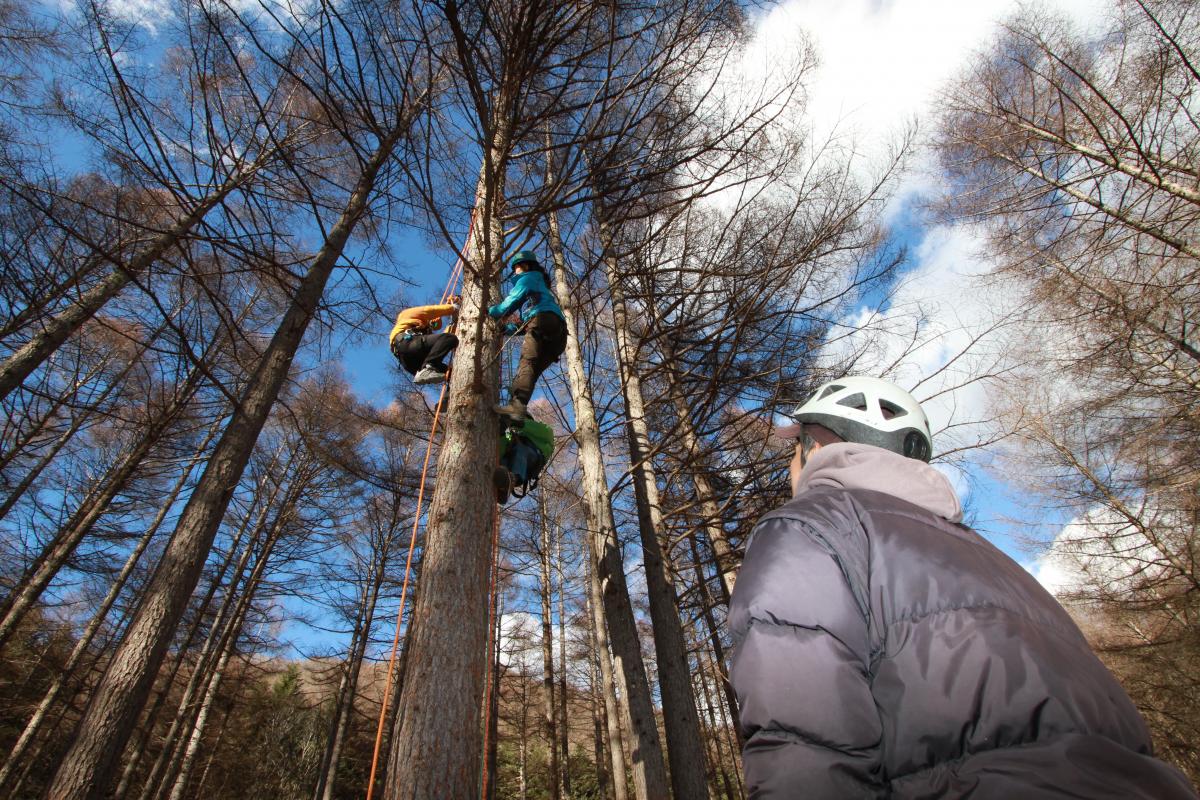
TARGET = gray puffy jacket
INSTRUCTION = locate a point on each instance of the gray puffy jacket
(884, 650)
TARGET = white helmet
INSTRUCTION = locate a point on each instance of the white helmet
(854, 408)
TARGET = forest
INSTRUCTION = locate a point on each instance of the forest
(227, 571)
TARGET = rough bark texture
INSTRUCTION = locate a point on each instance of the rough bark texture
(685, 749)
(437, 748)
(601, 751)
(87, 767)
(613, 740)
(564, 744)
(649, 771)
(548, 660)
(169, 749)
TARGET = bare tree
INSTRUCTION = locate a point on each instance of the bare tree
(1078, 159)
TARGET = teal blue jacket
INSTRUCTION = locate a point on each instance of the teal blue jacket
(530, 294)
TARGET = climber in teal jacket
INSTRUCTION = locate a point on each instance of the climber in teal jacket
(542, 323)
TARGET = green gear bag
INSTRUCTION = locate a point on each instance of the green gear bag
(542, 436)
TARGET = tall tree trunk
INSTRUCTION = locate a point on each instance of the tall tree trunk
(564, 727)
(60, 549)
(728, 726)
(230, 637)
(714, 634)
(493, 708)
(149, 720)
(523, 744)
(601, 751)
(649, 771)
(555, 777)
(86, 769)
(192, 749)
(719, 761)
(347, 693)
(85, 639)
(436, 750)
(329, 757)
(186, 708)
(685, 750)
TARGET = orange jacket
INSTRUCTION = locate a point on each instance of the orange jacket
(421, 317)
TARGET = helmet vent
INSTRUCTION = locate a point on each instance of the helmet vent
(830, 390)
(857, 400)
(890, 410)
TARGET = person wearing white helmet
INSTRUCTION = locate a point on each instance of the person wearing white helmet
(884, 649)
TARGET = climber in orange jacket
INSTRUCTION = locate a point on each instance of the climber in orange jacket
(416, 345)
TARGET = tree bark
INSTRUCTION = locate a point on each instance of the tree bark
(88, 765)
(608, 687)
(208, 651)
(563, 720)
(230, 636)
(437, 748)
(685, 750)
(555, 777)
(649, 771)
(599, 727)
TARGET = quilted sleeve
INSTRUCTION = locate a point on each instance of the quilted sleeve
(800, 667)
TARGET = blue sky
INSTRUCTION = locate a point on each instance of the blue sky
(882, 63)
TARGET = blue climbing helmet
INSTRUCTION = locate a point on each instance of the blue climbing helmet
(524, 257)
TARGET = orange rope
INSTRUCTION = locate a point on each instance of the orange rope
(412, 541)
(455, 275)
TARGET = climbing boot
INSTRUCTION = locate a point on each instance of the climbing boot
(502, 479)
(429, 374)
(514, 412)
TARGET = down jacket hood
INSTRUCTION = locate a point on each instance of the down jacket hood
(848, 465)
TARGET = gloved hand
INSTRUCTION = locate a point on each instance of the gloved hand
(510, 328)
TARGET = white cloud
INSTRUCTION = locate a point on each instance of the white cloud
(939, 328)
(883, 61)
(1101, 552)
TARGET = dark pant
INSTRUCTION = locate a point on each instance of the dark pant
(545, 340)
(429, 348)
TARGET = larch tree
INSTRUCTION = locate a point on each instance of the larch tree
(373, 137)
(1077, 156)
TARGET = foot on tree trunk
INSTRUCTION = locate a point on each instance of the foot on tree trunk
(514, 411)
